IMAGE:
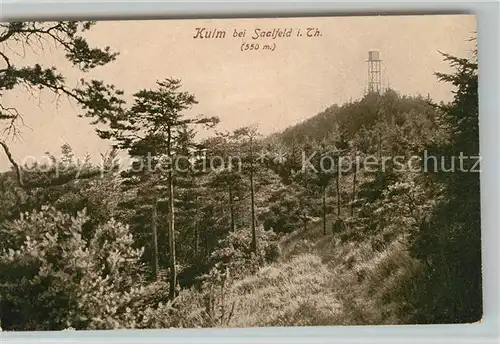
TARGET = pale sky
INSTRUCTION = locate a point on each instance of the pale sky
(273, 89)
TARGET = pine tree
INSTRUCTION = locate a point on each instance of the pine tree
(450, 241)
(154, 129)
(94, 97)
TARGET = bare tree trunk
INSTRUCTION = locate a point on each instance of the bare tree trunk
(205, 234)
(207, 252)
(171, 224)
(338, 186)
(252, 196)
(231, 208)
(324, 210)
(380, 164)
(305, 194)
(154, 233)
(379, 146)
(354, 181)
(196, 234)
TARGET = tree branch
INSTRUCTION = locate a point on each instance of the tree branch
(14, 164)
(7, 61)
(12, 28)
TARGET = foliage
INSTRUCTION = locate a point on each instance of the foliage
(94, 96)
(234, 252)
(283, 214)
(70, 281)
(167, 242)
(450, 242)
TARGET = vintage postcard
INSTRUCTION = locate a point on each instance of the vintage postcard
(239, 173)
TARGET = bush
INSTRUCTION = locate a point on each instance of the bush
(54, 279)
(210, 305)
(284, 214)
(235, 252)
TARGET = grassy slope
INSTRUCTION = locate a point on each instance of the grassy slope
(320, 280)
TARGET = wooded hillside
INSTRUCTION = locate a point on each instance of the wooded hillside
(366, 213)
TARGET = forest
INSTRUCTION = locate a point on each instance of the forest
(338, 220)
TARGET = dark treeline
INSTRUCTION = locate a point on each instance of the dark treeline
(167, 242)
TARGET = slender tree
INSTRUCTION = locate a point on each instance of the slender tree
(154, 234)
(251, 133)
(155, 126)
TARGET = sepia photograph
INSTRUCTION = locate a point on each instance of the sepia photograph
(238, 173)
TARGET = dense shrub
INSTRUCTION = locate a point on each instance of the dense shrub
(52, 278)
(284, 214)
(235, 252)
